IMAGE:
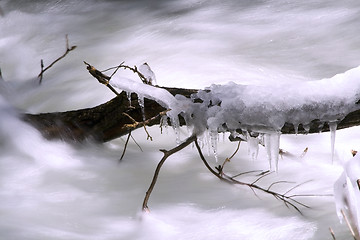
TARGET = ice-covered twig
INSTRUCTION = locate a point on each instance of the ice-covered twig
(68, 49)
(135, 70)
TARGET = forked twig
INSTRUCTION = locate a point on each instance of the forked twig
(220, 168)
(288, 201)
(102, 78)
(167, 154)
(136, 123)
(68, 49)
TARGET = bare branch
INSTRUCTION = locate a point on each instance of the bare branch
(296, 186)
(355, 235)
(68, 49)
(102, 78)
(287, 200)
(126, 143)
(136, 143)
(278, 182)
(332, 233)
(167, 154)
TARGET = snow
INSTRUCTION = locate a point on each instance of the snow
(260, 109)
(149, 75)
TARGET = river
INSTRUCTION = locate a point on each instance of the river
(55, 190)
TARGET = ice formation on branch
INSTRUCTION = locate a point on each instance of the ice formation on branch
(259, 109)
(347, 193)
(149, 75)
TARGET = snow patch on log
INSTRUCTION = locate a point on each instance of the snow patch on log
(258, 109)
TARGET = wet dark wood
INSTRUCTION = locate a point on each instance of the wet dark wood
(107, 121)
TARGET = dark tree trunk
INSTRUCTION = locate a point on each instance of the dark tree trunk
(108, 121)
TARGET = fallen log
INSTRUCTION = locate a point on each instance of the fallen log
(101, 123)
(122, 115)
(107, 121)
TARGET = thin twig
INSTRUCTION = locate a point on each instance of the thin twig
(262, 176)
(278, 182)
(116, 69)
(126, 143)
(102, 78)
(135, 70)
(349, 225)
(136, 123)
(332, 233)
(243, 173)
(136, 143)
(68, 49)
(42, 70)
(288, 201)
(296, 187)
(167, 154)
(221, 168)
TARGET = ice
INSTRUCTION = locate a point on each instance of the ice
(174, 120)
(129, 97)
(306, 128)
(146, 71)
(141, 101)
(253, 146)
(263, 109)
(347, 193)
(296, 127)
(162, 96)
(272, 145)
(332, 126)
(214, 137)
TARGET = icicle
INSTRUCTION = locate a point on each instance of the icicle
(141, 101)
(307, 128)
(272, 145)
(128, 94)
(253, 146)
(267, 143)
(164, 123)
(332, 126)
(214, 136)
(207, 141)
(296, 127)
(176, 126)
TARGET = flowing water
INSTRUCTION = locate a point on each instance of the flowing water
(55, 190)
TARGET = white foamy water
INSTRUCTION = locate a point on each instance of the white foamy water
(55, 190)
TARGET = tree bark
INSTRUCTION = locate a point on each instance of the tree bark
(108, 121)
(104, 122)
